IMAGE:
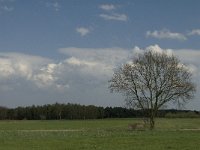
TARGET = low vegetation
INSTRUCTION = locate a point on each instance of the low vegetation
(101, 134)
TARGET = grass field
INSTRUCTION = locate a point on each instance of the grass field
(107, 134)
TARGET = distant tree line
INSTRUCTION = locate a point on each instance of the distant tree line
(76, 111)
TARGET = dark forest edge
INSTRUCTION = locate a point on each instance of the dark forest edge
(76, 111)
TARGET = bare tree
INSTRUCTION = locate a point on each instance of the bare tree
(151, 80)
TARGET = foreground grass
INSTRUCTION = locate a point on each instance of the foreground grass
(99, 134)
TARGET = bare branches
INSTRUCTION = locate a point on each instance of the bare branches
(152, 80)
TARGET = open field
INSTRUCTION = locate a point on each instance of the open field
(105, 134)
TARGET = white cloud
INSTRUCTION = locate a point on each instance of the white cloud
(54, 5)
(194, 32)
(94, 67)
(83, 31)
(20, 66)
(107, 7)
(105, 55)
(97, 63)
(110, 15)
(158, 49)
(114, 16)
(187, 56)
(46, 74)
(78, 62)
(6, 68)
(44, 77)
(82, 76)
(166, 34)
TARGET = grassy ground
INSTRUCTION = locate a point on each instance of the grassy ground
(105, 134)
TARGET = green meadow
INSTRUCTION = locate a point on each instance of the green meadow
(106, 134)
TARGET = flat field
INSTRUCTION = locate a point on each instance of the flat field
(107, 134)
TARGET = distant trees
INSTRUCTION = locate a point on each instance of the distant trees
(75, 111)
(53, 112)
(183, 114)
(151, 80)
(3, 112)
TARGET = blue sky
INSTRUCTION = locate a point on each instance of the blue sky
(66, 50)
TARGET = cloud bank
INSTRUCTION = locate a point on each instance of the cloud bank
(82, 77)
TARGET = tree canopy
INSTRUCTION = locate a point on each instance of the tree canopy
(153, 79)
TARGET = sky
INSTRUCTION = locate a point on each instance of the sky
(66, 50)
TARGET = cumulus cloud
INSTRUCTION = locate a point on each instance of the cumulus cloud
(20, 66)
(166, 34)
(95, 63)
(81, 66)
(158, 49)
(19, 63)
(194, 32)
(83, 31)
(45, 76)
(114, 16)
(81, 77)
(87, 64)
(107, 7)
(104, 55)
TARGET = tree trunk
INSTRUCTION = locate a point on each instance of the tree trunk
(152, 122)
